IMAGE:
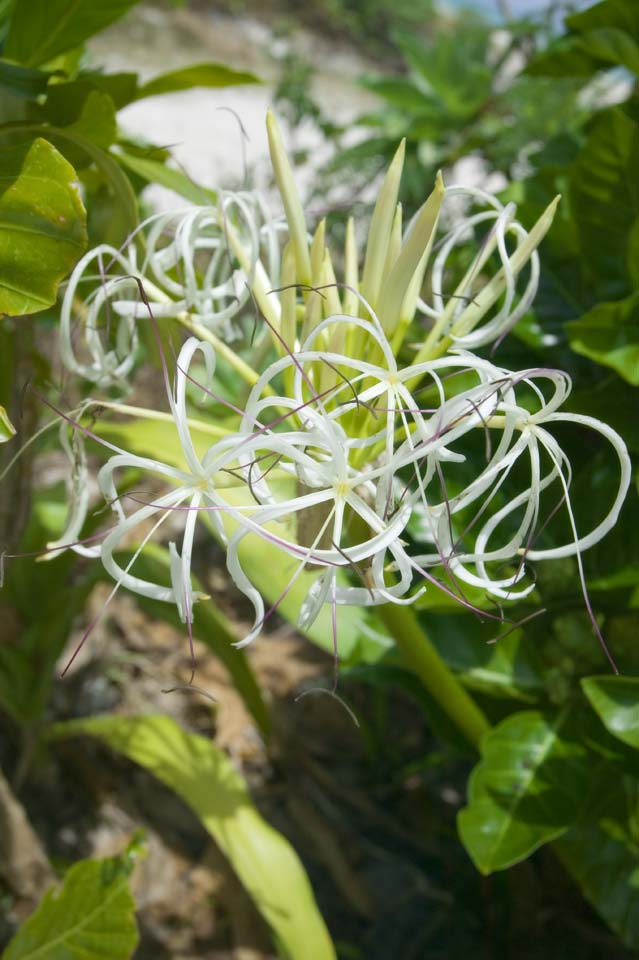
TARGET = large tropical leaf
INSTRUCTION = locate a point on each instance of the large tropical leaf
(205, 778)
(42, 225)
(92, 915)
(41, 29)
(526, 790)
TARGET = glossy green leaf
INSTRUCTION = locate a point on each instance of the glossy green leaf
(91, 916)
(42, 226)
(41, 29)
(205, 778)
(23, 81)
(609, 334)
(602, 854)
(119, 184)
(526, 789)
(7, 429)
(616, 700)
(155, 172)
(197, 75)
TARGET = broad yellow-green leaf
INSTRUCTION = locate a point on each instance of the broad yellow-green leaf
(616, 701)
(119, 184)
(526, 789)
(205, 778)
(91, 916)
(42, 226)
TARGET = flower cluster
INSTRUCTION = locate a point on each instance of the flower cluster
(371, 409)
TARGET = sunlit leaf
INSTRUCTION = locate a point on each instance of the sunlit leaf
(41, 29)
(118, 183)
(92, 915)
(616, 700)
(526, 789)
(205, 778)
(42, 226)
(197, 75)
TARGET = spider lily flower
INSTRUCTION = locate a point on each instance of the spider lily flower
(192, 488)
(200, 264)
(339, 442)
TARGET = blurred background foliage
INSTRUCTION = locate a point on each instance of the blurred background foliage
(534, 109)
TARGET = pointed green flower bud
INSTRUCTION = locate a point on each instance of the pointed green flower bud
(415, 250)
(381, 228)
(290, 198)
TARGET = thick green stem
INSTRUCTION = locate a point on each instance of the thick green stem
(440, 682)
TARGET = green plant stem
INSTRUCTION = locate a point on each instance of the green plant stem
(440, 682)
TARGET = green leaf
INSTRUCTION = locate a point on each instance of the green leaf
(609, 334)
(121, 87)
(526, 790)
(155, 172)
(621, 14)
(22, 81)
(581, 56)
(602, 854)
(81, 108)
(118, 182)
(92, 915)
(616, 700)
(7, 429)
(198, 75)
(504, 669)
(205, 778)
(604, 198)
(42, 226)
(41, 29)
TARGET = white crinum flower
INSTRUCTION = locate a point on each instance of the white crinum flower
(338, 443)
(198, 263)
